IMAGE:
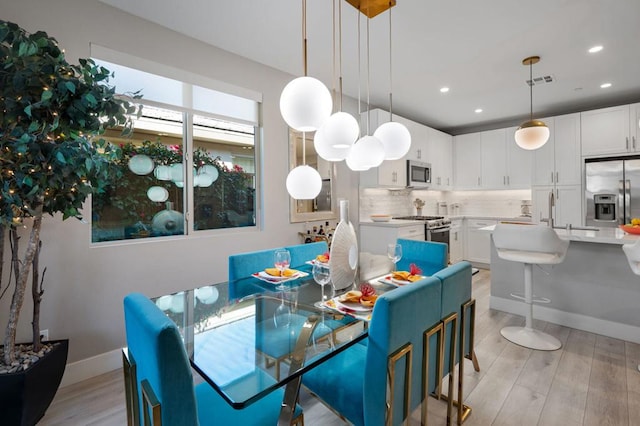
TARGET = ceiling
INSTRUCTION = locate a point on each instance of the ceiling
(475, 48)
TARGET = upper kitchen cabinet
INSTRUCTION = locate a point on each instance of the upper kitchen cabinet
(610, 130)
(466, 163)
(519, 162)
(493, 159)
(440, 155)
(558, 161)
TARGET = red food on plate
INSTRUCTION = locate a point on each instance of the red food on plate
(367, 290)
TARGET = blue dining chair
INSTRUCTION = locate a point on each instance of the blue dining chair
(429, 256)
(456, 299)
(242, 265)
(302, 253)
(159, 381)
(387, 378)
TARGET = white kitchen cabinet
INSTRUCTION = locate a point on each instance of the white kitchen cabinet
(610, 131)
(568, 204)
(440, 155)
(375, 238)
(466, 163)
(558, 162)
(456, 241)
(519, 162)
(478, 243)
(493, 159)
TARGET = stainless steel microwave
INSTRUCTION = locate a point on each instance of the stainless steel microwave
(418, 173)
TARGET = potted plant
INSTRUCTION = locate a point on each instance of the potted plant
(51, 116)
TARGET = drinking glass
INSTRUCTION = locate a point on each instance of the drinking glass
(394, 251)
(282, 260)
(321, 275)
(322, 337)
(282, 314)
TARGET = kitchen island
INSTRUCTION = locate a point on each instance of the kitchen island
(592, 290)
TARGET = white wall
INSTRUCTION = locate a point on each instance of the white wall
(85, 285)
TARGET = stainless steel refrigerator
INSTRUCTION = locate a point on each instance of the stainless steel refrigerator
(612, 191)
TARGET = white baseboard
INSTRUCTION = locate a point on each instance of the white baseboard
(616, 330)
(90, 367)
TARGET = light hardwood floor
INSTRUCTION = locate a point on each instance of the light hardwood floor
(592, 380)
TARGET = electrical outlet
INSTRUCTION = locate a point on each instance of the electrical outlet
(44, 334)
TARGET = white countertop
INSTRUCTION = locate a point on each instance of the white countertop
(602, 236)
(393, 223)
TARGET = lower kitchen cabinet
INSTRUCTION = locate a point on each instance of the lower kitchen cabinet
(478, 243)
(456, 241)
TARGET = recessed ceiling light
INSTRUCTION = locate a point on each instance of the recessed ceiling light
(595, 49)
(605, 85)
(478, 110)
(444, 89)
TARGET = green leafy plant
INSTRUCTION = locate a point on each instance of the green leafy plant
(51, 116)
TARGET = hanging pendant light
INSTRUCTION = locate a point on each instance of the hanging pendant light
(305, 103)
(531, 134)
(341, 129)
(304, 182)
(368, 151)
(395, 137)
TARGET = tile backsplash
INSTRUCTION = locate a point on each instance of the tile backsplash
(469, 203)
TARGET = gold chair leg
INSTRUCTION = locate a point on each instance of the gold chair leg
(130, 388)
(439, 331)
(471, 304)
(392, 360)
(150, 400)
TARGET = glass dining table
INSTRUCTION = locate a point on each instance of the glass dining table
(249, 337)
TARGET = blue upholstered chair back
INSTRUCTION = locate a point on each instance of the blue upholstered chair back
(400, 316)
(156, 346)
(456, 290)
(303, 252)
(429, 256)
(244, 264)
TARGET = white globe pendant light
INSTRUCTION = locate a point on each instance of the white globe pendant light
(395, 138)
(326, 150)
(340, 130)
(366, 153)
(305, 103)
(531, 134)
(304, 183)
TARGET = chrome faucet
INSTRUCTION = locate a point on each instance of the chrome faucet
(552, 202)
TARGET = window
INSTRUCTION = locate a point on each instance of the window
(151, 194)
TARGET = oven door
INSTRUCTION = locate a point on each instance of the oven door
(439, 235)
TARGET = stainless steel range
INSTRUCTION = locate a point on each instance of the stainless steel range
(436, 228)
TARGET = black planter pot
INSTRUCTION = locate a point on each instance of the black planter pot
(26, 395)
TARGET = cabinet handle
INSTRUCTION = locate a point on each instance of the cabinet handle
(557, 194)
(557, 179)
(448, 182)
(627, 138)
(504, 180)
(439, 180)
(455, 236)
(478, 180)
(551, 177)
(419, 153)
(508, 181)
(633, 142)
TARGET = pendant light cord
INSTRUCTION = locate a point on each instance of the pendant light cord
(390, 69)
(304, 35)
(531, 90)
(340, 51)
(359, 75)
(304, 149)
(368, 73)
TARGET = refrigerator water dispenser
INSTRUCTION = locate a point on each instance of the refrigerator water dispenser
(605, 206)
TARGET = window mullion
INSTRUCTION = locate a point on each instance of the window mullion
(189, 176)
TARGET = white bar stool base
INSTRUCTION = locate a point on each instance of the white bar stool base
(531, 338)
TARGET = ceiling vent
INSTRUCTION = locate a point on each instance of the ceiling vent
(540, 80)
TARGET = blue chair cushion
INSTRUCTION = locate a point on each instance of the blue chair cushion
(429, 256)
(302, 253)
(244, 264)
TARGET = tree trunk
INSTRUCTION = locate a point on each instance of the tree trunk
(36, 295)
(21, 285)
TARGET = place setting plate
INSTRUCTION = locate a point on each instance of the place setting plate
(264, 276)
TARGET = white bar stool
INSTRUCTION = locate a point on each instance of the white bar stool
(529, 244)
(632, 251)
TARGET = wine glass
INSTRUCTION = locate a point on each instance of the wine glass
(321, 275)
(322, 337)
(394, 251)
(282, 260)
(282, 314)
